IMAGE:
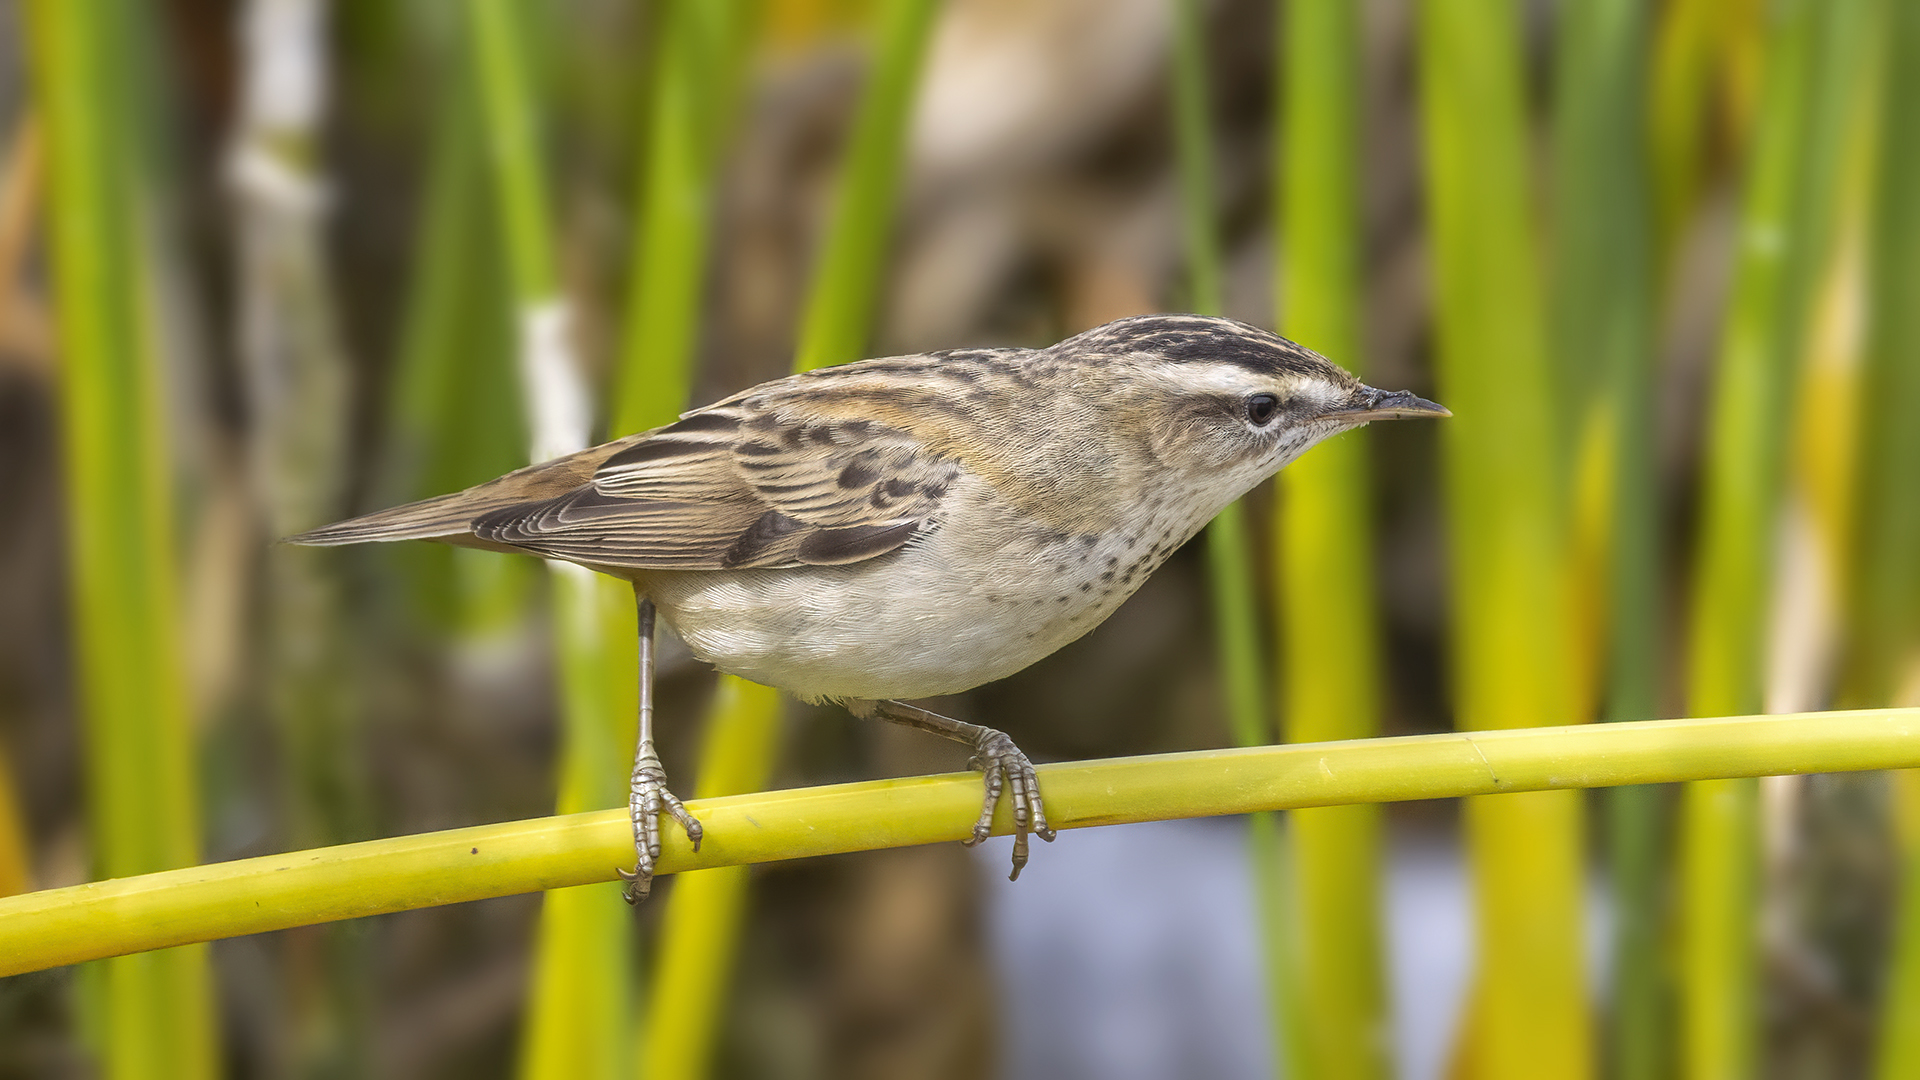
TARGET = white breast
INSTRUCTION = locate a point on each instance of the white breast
(956, 608)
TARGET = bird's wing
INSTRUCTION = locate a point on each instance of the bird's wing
(741, 485)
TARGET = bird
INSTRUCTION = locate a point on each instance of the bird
(909, 527)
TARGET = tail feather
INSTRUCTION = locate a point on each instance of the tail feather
(451, 517)
(440, 517)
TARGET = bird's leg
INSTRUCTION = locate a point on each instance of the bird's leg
(993, 754)
(647, 794)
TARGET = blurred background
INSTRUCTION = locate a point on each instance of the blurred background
(267, 264)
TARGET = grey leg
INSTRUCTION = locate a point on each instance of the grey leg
(995, 755)
(647, 792)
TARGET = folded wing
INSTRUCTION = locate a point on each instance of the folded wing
(737, 486)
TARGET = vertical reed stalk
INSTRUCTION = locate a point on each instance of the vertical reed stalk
(580, 1012)
(16, 864)
(1329, 644)
(1231, 576)
(1513, 663)
(702, 925)
(692, 92)
(1681, 98)
(693, 85)
(295, 375)
(1885, 590)
(1788, 196)
(453, 416)
(21, 178)
(1897, 1051)
(846, 285)
(156, 1013)
(700, 931)
(1603, 333)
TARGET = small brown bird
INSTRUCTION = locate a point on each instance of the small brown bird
(913, 526)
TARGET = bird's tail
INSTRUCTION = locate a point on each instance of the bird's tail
(441, 517)
(450, 517)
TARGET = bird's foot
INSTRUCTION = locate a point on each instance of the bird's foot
(1007, 767)
(648, 797)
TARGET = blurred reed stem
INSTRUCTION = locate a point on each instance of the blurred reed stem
(16, 861)
(1785, 212)
(689, 107)
(847, 288)
(701, 930)
(1330, 635)
(693, 86)
(580, 1009)
(295, 375)
(1603, 335)
(1884, 607)
(1884, 601)
(154, 1013)
(1232, 581)
(706, 910)
(452, 416)
(1514, 661)
(1897, 1049)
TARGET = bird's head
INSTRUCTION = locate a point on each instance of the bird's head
(1218, 397)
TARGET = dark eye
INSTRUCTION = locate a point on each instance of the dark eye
(1262, 408)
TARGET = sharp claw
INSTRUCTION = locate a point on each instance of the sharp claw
(648, 799)
(1007, 769)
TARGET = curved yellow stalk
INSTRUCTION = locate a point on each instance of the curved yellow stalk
(110, 918)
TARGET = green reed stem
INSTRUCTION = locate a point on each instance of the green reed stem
(1603, 334)
(689, 116)
(847, 283)
(1885, 594)
(1329, 644)
(1504, 462)
(157, 1010)
(693, 87)
(580, 1010)
(1786, 214)
(1231, 577)
(701, 929)
(453, 410)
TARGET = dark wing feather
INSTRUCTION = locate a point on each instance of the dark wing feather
(737, 487)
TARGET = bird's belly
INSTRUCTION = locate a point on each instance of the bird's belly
(920, 622)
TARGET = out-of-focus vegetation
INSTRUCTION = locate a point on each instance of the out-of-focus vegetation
(275, 262)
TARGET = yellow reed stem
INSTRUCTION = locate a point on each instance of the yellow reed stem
(110, 918)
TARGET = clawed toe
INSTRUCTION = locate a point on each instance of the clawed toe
(995, 755)
(1005, 766)
(647, 799)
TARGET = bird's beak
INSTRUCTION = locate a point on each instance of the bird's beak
(1370, 404)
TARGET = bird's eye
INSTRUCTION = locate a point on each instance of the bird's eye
(1262, 408)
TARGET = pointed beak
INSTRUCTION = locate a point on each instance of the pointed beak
(1369, 404)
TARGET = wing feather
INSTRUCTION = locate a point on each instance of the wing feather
(739, 486)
